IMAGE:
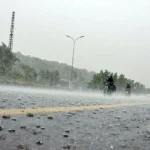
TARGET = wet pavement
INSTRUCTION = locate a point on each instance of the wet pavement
(120, 128)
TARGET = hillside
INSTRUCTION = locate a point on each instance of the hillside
(15, 68)
(82, 76)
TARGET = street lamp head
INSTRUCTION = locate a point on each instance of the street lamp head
(67, 36)
(81, 36)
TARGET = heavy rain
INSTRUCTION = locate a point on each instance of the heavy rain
(74, 75)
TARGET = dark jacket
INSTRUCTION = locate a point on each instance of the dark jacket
(110, 80)
(128, 86)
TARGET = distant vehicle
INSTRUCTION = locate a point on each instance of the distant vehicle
(128, 92)
(109, 89)
(128, 89)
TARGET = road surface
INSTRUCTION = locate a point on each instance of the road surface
(34, 119)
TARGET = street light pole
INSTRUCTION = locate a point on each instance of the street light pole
(74, 41)
(72, 60)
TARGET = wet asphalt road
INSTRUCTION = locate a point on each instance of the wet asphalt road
(122, 128)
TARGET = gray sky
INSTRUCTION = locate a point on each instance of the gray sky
(117, 33)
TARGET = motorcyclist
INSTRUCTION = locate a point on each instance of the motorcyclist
(110, 80)
(110, 86)
(128, 88)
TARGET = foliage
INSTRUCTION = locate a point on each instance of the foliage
(29, 73)
(99, 80)
(79, 76)
(7, 59)
(12, 70)
(34, 70)
(50, 77)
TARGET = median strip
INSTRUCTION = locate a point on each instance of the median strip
(65, 109)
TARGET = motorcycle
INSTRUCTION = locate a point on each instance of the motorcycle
(109, 89)
(127, 91)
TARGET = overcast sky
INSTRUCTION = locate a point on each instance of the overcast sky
(117, 33)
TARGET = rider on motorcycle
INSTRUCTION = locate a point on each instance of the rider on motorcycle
(128, 88)
(110, 86)
(110, 80)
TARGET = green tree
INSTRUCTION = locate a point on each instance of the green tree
(121, 81)
(49, 77)
(55, 77)
(99, 79)
(81, 76)
(30, 75)
(7, 59)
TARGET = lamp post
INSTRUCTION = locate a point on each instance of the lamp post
(74, 41)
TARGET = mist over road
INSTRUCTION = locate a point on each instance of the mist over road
(42, 119)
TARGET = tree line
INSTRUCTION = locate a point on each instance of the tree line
(99, 80)
(79, 76)
(23, 73)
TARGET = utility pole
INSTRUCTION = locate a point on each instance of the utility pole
(11, 31)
